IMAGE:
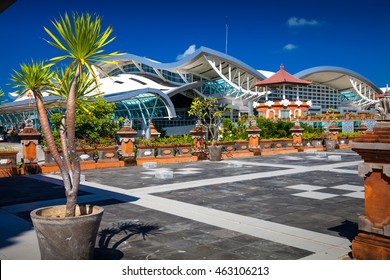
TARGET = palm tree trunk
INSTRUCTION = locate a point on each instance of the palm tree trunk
(65, 146)
(50, 141)
(71, 196)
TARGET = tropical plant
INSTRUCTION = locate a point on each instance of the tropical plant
(348, 134)
(82, 40)
(274, 129)
(2, 96)
(235, 131)
(209, 112)
(94, 127)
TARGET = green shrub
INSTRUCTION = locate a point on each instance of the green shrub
(95, 126)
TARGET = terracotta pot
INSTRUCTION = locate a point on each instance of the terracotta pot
(67, 238)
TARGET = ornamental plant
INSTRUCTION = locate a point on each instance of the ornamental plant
(210, 113)
(81, 40)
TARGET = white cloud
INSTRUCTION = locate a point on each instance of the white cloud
(191, 49)
(289, 47)
(299, 22)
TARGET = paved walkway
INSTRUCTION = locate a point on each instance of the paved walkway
(295, 206)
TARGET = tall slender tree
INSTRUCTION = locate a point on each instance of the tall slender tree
(82, 40)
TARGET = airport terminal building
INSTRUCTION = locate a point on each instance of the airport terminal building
(145, 90)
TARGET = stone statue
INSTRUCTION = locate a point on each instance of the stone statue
(383, 108)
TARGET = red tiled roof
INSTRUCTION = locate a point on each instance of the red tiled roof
(282, 78)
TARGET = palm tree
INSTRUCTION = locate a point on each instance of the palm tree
(82, 39)
(2, 99)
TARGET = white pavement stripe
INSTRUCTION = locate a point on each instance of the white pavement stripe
(315, 242)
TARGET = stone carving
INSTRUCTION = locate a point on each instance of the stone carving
(383, 108)
(29, 123)
(127, 122)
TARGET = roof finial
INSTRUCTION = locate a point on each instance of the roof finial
(281, 66)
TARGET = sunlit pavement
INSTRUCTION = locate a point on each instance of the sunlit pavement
(294, 206)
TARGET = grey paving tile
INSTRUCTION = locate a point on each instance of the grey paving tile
(267, 198)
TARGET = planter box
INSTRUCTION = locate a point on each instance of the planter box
(226, 146)
(241, 145)
(8, 158)
(283, 143)
(277, 146)
(105, 153)
(165, 150)
(109, 153)
(183, 150)
(80, 151)
(145, 151)
(266, 144)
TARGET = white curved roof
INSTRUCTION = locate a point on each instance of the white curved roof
(343, 79)
(208, 65)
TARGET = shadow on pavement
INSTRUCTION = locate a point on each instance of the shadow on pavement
(121, 232)
(20, 190)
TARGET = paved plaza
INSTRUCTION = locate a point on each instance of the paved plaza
(278, 207)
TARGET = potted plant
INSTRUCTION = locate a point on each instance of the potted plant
(66, 232)
(209, 112)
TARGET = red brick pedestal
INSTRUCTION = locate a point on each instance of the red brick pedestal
(127, 139)
(254, 138)
(198, 134)
(30, 137)
(373, 241)
(297, 132)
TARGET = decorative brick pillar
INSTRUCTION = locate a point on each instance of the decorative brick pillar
(153, 131)
(373, 240)
(127, 139)
(297, 132)
(199, 136)
(362, 128)
(333, 132)
(30, 137)
(254, 136)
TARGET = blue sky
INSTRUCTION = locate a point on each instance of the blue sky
(263, 34)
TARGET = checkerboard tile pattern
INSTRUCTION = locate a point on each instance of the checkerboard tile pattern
(320, 193)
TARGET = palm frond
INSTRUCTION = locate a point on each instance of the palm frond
(32, 77)
(81, 39)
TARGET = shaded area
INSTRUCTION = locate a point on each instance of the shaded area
(22, 189)
(28, 191)
(120, 233)
(346, 229)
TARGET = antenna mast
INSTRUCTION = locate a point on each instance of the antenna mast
(227, 31)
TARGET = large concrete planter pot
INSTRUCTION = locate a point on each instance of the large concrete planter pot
(330, 144)
(70, 238)
(215, 153)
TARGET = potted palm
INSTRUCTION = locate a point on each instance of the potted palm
(209, 112)
(66, 231)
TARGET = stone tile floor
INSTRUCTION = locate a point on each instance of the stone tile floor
(295, 206)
